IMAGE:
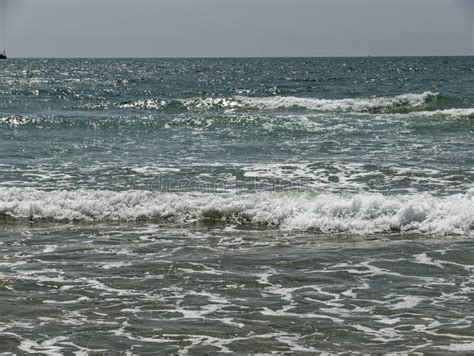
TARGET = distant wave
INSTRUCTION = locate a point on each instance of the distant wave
(329, 213)
(375, 104)
(295, 121)
(341, 105)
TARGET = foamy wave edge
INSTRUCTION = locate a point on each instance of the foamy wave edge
(302, 211)
(465, 112)
(288, 102)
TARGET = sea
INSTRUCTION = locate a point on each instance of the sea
(213, 206)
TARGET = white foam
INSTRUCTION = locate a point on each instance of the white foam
(365, 213)
(154, 169)
(382, 334)
(468, 346)
(50, 248)
(189, 104)
(48, 347)
(423, 258)
(145, 104)
(338, 105)
(453, 113)
(407, 302)
(467, 112)
(411, 100)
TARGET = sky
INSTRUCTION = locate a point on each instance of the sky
(236, 28)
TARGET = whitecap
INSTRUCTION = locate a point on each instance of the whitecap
(365, 213)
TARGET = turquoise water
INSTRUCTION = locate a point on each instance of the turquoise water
(236, 205)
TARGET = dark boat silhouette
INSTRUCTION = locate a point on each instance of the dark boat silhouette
(3, 55)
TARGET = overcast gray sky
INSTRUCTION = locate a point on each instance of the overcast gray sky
(229, 28)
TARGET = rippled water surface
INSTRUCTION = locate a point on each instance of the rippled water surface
(237, 205)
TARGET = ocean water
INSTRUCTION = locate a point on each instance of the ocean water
(236, 205)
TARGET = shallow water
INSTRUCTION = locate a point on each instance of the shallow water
(236, 205)
(145, 288)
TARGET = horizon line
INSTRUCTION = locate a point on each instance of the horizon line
(250, 57)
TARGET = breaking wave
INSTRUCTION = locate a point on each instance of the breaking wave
(465, 112)
(374, 104)
(342, 105)
(301, 211)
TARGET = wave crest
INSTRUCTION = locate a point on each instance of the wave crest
(375, 104)
(304, 211)
(342, 105)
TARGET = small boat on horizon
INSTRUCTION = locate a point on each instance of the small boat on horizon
(3, 55)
